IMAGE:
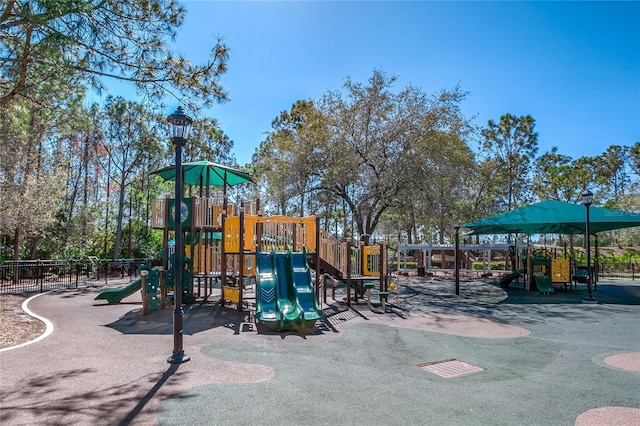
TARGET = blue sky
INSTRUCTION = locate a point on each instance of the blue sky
(573, 66)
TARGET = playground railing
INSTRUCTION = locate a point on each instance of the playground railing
(206, 211)
(337, 253)
(36, 276)
(283, 233)
(29, 276)
(158, 219)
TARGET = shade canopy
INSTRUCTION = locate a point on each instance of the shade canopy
(205, 174)
(554, 217)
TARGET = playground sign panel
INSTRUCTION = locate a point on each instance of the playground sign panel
(560, 271)
(185, 212)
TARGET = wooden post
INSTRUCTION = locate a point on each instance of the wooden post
(143, 290)
(356, 288)
(259, 227)
(165, 235)
(294, 239)
(347, 244)
(398, 257)
(383, 283)
(163, 288)
(361, 245)
(324, 288)
(223, 254)
(316, 262)
(333, 289)
(241, 263)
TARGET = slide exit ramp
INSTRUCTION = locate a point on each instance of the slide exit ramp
(266, 307)
(507, 279)
(290, 310)
(285, 297)
(115, 295)
(302, 283)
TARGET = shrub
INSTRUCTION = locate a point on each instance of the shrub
(393, 265)
(494, 266)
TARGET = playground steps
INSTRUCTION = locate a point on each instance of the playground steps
(371, 297)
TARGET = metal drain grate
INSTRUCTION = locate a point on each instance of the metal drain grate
(450, 368)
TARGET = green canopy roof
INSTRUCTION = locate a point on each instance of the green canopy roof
(205, 173)
(554, 217)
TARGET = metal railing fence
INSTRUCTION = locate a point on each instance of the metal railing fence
(37, 276)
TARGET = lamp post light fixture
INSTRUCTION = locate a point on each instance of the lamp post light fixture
(179, 126)
(587, 199)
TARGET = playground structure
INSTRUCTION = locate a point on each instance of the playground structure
(428, 255)
(288, 261)
(540, 267)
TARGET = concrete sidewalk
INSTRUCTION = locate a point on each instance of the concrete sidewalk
(530, 361)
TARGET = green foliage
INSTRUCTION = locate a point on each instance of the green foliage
(78, 199)
(139, 241)
(132, 135)
(557, 178)
(494, 266)
(367, 155)
(287, 161)
(395, 265)
(611, 172)
(208, 141)
(45, 41)
(363, 151)
(513, 144)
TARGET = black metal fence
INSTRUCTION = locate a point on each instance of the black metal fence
(36, 276)
(609, 269)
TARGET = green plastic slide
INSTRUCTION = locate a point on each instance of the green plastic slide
(285, 296)
(290, 310)
(266, 307)
(115, 295)
(506, 280)
(305, 293)
(543, 284)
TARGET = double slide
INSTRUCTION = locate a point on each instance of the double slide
(285, 296)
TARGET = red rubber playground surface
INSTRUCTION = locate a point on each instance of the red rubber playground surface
(507, 358)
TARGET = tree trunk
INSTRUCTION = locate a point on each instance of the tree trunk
(34, 248)
(408, 231)
(118, 242)
(85, 189)
(106, 216)
(16, 244)
(69, 218)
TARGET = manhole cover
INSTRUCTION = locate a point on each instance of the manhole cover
(450, 368)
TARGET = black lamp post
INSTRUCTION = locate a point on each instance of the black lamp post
(179, 126)
(587, 198)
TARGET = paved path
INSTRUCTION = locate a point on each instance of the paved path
(540, 361)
